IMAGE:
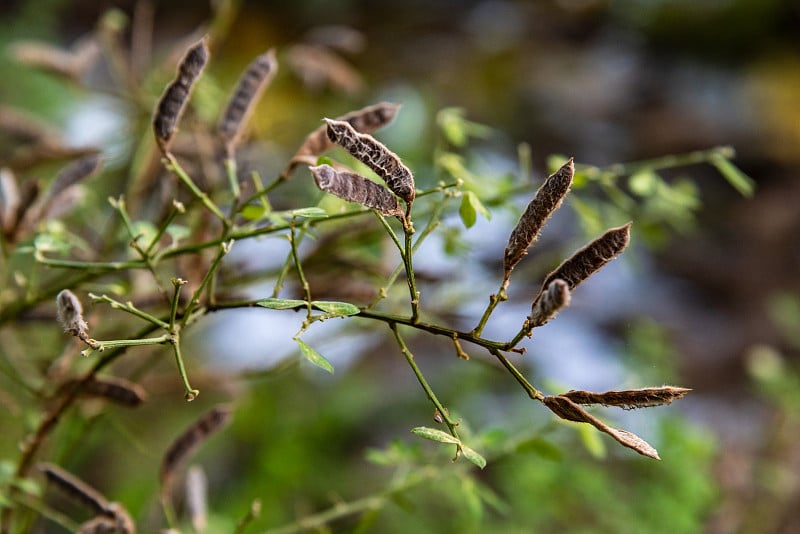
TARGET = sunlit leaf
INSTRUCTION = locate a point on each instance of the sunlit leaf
(336, 308)
(470, 207)
(309, 213)
(643, 182)
(281, 304)
(434, 435)
(313, 356)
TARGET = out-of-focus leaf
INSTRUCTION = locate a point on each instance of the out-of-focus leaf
(592, 440)
(253, 212)
(309, 213)
(313, 356)
(542, 447)
(473, 456)
(643, 182)
(470, 207)
(739, 180)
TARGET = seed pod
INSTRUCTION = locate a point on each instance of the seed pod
(209, 423)
(76, 488)
(69, 312)
(173, 101)
(252, 83)
(115, 390)
(555, 297)
(355, 188)
(364, 120)
(567, 409)
(629, 399)
(547, 200)
(376, 156)
(589, 259)
(73, 173)
(197, 498)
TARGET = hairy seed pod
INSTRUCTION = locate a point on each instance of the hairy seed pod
(547, 200)
(252, 83)
(69, 313)
(173, 101)
(554, 298)
(567, 409)
(76, 488)
(589, 259)
(75, 172)
(355, 188)
(364, 120)
(197, 498)
(116, 390)
(101, 524)
(209, 423)
(629, 399)
(376, 156)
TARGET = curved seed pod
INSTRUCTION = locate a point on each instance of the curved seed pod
(364, 120)
(76, 488)
(376, 156)
(116, 390)
(173, 101)
(73, 173)
(209, 423)
(555, 297)
(547, 200)
(629, 399)
(567, 409)
(355, 188)
(252, 83)
(590, 259)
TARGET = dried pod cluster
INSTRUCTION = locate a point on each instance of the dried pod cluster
(376, 156)
(364, 120)
(173, 101)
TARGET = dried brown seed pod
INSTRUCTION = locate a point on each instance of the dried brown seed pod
(73, 173)
(252, 83)
(69, 313)
(589, 259)
(76, 488)
(555, 297)
(567, 409)
(173, 101)
(117, 390)
(364, 120)
(376, 156)
(355, 188)
(630, 398)
(209, 423)
(101, 524)
(547, 200)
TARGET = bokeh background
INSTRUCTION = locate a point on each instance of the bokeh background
(709, 300)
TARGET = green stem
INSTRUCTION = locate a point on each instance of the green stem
(195, 301)
(191, 393)
(527, 386)
(130, 308)
(494, 300)
(233, 179)
(298, 266)
(102, 346)
(176, 296)
(451, 425)
(91, 266)
(172, 164)
(177, 209)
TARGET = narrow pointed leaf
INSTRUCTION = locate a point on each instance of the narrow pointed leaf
(434, 434)
(739, 180)
(313, 356)
(473, 456)
(281, 304)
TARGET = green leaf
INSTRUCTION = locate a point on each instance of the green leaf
(591, 439)
(336, 308)
(177, 232)
(145, 231)
(309, 213)
(542, 447)
(435, 435)
(325, 160)
(253, 212)
(470, 207)
(643, 182)
(739, 180)
(473, 456)
(313, 356)
(281, 304)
